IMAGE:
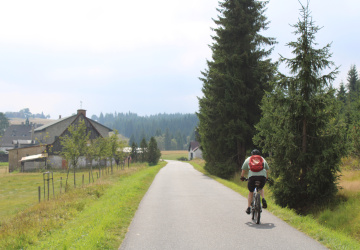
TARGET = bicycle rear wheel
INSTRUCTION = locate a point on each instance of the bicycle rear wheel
(257, 208)
(253, 207)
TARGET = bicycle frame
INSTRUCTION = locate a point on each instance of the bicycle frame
(256, 203)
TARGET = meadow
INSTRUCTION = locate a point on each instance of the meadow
(20, 190)
(174, 154)
(91, 216)
(4, 168)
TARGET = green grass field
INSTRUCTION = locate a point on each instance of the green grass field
(174, 155)
(19, 190)
(95, 216)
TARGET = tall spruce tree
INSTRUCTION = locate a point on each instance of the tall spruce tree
(144, 149)
(299, 125)
(234, 84)
(154, 153)
(353, 84)
(341, 94)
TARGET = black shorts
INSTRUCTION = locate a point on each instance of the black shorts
(251, 182)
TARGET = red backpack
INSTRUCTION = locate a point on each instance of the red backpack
(256, 163)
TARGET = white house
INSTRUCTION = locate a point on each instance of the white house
(194, 150)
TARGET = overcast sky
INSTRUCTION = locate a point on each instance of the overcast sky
(140, 56)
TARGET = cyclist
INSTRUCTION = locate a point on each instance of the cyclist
(261, 176)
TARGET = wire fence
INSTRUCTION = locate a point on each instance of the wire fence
(48, 189)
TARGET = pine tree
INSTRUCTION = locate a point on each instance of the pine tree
(154, 153)
(299, 126)
(233, 85)
(352, 86)
(134, 152)
(144, 149)
(341, 94)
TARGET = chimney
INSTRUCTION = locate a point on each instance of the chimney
(59, 117)
(81, 111)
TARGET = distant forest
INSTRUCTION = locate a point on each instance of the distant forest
(25, 113)
(171, 131)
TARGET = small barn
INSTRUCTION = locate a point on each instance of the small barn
(194, 150)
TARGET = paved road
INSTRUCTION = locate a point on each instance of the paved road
(184, 209)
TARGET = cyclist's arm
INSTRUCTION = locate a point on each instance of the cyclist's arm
(243, 173)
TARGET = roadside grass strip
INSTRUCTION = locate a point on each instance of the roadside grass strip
(331, 238)
(93, 217)
(103, 225)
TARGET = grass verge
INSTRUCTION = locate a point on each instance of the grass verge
(93, 217)
(329, 237)
(18, 191)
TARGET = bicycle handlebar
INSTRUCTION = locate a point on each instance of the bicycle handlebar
(247, 179)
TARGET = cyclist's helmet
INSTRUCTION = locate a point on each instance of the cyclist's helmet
(255, 152)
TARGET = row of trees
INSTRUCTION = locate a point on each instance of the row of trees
(349, 97)
(247, 102)
(25, 113)
(77, 143)
(147, 152)
(168, 141)
(172, 131)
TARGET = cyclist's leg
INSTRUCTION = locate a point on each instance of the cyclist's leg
(250, 197)
(251, 187)
(262, 193)
(262, 180)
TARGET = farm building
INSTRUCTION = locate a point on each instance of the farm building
(18, 136)
(48, 139)
(194, 150)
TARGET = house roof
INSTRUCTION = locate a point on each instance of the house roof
(53, 123)
(73, 117)
(16, 132)
(194, 145)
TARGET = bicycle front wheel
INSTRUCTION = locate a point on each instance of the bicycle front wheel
(257, 208)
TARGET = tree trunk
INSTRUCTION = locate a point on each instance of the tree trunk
(304, 136)
(67, 177)
(304, 151)
(74, 178)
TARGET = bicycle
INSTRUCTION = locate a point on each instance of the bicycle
(256, 203)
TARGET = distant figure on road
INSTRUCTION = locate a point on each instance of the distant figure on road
(258, 171)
